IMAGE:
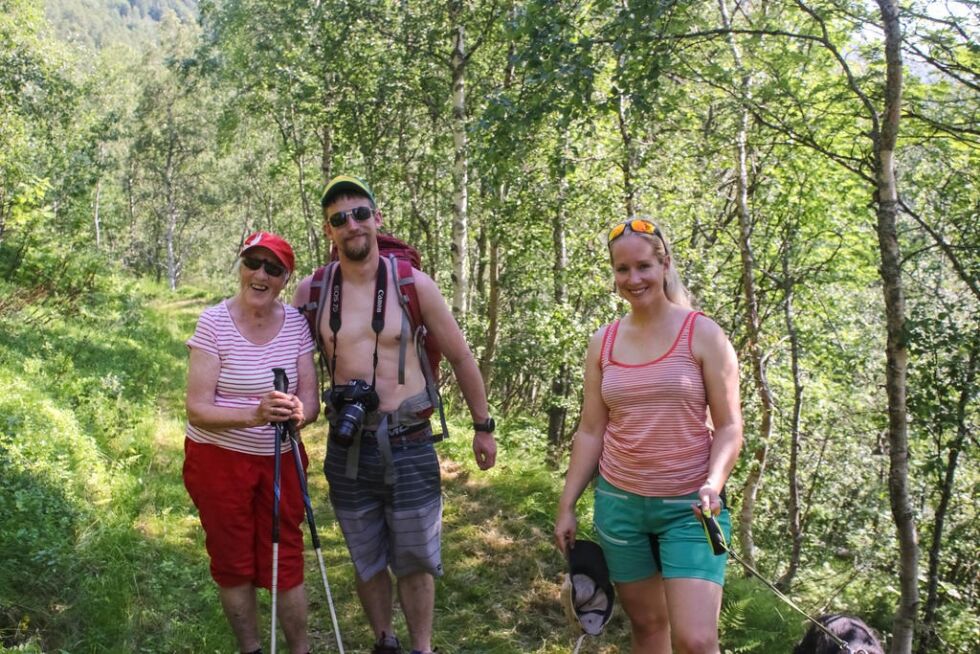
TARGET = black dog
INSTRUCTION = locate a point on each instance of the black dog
(860, 638)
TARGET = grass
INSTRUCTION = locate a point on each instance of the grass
(103, 552)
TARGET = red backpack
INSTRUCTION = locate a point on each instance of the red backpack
(402, 258)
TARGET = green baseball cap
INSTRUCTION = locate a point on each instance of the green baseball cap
(345, 184)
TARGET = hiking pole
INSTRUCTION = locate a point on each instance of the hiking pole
(716, 539)
(310, 521)
(280, 384)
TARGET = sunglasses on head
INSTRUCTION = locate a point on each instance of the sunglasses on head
(271, 269)
(638, 226)
(360, 214)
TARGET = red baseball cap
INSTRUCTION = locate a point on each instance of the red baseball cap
(275, 244)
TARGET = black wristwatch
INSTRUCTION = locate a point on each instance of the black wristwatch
(487, 426)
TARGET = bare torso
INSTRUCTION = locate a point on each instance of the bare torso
(355, 343)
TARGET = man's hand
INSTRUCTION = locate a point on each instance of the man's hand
(485, 449)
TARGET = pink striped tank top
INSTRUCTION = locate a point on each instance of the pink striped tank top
(657, 442)
(246, 373)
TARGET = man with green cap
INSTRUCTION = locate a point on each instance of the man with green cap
(381, 464)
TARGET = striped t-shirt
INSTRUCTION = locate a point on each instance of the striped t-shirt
(657, 442)
(246, 373)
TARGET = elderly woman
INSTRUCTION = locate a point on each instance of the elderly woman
(228, 465)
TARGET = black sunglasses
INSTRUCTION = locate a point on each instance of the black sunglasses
(271, 269)
(360, 214)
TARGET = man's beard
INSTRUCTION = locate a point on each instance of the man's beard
(356, 252)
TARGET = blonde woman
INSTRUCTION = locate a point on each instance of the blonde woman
(652, 379)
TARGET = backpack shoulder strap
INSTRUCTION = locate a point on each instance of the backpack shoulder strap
(408, 296)
(408, 293)
(408, 326)
(313, 310)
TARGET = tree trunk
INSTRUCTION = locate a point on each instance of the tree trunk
(493, 310)
(629, 156)
(460, 235)
(760, 447)
(480, 281)
(95, 213)
(793, 519)
(896, 351)
(557, 414)
(96, 202)
(170, 186)
(493, 265)
(435, 201)
(557, 409)
(6, 207)
(171, 237)
(895, 383)
(131, 198)
(296, 146)
(326, 154)
(326, 174)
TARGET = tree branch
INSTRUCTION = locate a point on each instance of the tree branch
(851, 82)
(944, 67)
(945, 247)
(955, 131)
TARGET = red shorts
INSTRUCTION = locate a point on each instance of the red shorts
(233, 495)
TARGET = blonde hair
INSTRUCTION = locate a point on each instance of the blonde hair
(674, 288)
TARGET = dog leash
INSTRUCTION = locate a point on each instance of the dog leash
(718, 545)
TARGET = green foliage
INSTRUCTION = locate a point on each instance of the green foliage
(95, 537)
(143, 141)
(100, 23)
(753, 619)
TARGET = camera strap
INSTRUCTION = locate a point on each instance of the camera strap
(377, 315)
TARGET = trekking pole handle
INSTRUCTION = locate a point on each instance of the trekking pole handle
(712, 532)
(281, 383)
(279, 380)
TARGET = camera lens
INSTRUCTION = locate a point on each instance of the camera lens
(350, 421)
(351, 403)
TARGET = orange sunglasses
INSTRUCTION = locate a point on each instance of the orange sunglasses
(637, 225)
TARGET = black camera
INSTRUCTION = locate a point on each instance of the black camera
(351, 402)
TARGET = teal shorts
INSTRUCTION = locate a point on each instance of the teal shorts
(641, 536)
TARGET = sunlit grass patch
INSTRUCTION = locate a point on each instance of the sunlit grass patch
(53, 481)
(97, 542)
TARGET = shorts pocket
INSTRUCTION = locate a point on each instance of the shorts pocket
(609, 493)
(606, 537)
(616, 516)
